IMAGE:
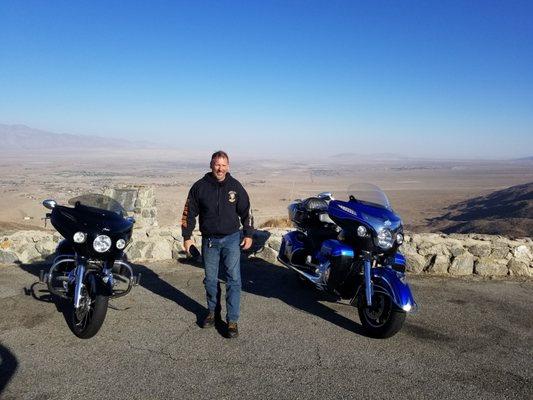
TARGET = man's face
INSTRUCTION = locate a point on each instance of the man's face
(220, 167)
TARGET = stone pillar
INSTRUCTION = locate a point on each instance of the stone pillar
(138, 201)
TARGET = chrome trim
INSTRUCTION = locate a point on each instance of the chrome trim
(80, 272)
(368, 282)
(132, 280)
(48, 277)
(71, 257)
(325, 218)
(315, 279)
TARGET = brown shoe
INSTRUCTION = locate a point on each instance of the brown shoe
(209, 320)
(233, 330)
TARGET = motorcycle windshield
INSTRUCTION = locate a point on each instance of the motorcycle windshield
(365, 193)
(99, 201)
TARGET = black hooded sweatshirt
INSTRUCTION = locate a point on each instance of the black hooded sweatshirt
(222, 207)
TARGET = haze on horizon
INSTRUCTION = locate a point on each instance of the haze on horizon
(438, 79)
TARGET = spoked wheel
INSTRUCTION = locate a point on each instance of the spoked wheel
(87, 320)
(382, 319)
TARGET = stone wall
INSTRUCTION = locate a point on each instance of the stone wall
(458, 254)
(138, 201)
(427, 253)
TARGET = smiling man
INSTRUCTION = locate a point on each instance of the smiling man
(222, 205)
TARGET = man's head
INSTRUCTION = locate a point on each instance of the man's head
(219, 165)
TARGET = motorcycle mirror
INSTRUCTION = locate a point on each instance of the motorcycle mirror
(327, 196)
(49, 204)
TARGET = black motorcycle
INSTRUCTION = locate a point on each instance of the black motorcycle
(89, 265)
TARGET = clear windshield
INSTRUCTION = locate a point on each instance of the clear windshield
(364, 192)
(98, 201)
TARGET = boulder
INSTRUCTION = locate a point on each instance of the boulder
(461, 265)
(274, 242)
(519, 268)
(480, 250)
(267, 254)
(136, 249)
(457, 250)
(161, 250)
(439, 265)
(499, 250)
(7, 257)
(29, 254)
(522, 252)
(486, 266)
(46, 247)
(430, 249)
(415, 262)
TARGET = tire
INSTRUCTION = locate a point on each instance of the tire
(382, 320)
(88, 319)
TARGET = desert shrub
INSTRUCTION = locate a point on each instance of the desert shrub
(277, 222)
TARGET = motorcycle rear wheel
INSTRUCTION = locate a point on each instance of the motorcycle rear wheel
(382, 320)
(86, 321)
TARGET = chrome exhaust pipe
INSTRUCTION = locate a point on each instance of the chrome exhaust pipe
(313, 278)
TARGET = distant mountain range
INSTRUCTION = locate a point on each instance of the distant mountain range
(22, 137)
(505, 212)
(379, 157)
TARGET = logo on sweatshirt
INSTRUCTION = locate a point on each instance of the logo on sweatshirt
(232, 196)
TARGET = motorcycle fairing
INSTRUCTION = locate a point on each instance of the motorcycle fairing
(71, 219)
(334, 248)
(372, 216)
(292, 246)
(391, 282)
(399, 259)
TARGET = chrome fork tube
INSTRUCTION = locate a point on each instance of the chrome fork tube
(80, 272)
(368, 282)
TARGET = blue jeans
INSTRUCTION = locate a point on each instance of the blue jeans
(223, 251)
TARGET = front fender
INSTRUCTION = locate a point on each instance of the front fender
(391, 283)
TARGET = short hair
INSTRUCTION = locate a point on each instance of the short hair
(219, 154)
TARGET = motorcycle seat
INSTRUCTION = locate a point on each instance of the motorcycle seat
(315, 204)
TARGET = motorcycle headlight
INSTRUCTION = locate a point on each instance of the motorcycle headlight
(80, 237)
(121, 243)
(399, 238)
(361, 231)
(385, 239)
(102, 243)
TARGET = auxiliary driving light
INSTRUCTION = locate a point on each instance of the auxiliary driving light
(399, 238)
(80, 237)
(121, 243)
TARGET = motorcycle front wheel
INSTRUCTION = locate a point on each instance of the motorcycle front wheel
(86, 321)
(381, 320)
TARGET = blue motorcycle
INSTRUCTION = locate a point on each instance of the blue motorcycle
(350, 249)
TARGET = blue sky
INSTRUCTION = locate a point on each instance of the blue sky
(427, 78)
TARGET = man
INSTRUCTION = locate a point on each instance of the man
(222, 205)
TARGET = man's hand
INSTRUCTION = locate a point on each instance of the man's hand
(187, 245)
(246, 243)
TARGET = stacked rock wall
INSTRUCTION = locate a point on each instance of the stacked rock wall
(458, 254)
(426, 253)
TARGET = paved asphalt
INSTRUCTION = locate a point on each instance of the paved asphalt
(471, 339)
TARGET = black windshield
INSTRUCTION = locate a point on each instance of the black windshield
(98, 201)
